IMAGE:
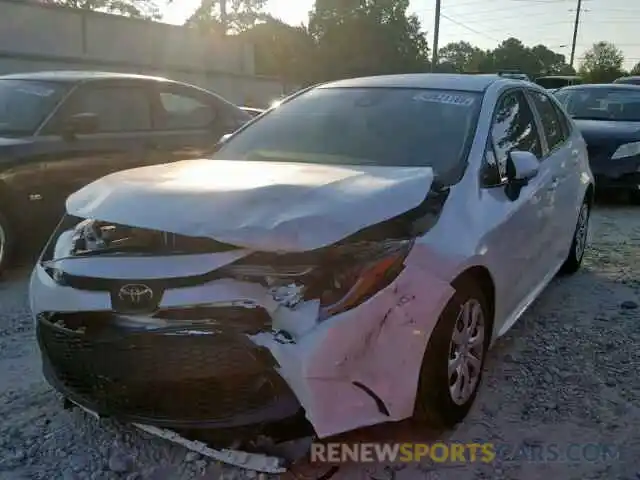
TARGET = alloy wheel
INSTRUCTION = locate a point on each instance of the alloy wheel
(466, 352)
(581, 231)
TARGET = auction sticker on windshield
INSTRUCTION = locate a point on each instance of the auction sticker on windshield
(447, 98)
(36, 90)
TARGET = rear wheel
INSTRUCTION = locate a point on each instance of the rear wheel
(579, 243)
(452, 365)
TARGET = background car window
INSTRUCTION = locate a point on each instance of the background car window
(184, 112)
(24, 104)
(514, 128)
(601, 103)
(551, 123)
(119, 109)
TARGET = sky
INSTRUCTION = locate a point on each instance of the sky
(485, 23)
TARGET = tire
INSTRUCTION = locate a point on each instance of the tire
(6, 243)
(579, 242)
(634, 197)
(435, 404)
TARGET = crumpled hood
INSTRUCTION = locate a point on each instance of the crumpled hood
(267, 206)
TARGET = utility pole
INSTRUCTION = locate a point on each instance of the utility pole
(223, 16)
(436, 35)
(575, 33)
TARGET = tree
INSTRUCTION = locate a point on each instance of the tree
(241, 15)
(282, 50)
(147, 9)
(366, 37)
(635, 70)
(535, 61)
(602, 63)
(460, 57)
(550, 62)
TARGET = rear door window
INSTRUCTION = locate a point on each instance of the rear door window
(184, 110)
(551, 122)
(119, 108)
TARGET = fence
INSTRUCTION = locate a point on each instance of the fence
(41, 37)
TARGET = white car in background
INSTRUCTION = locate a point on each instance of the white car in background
(348, 258)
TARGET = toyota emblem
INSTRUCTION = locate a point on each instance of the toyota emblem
(135, 294)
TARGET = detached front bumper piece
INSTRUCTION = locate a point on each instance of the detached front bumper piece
(193, 377)
(250, 461)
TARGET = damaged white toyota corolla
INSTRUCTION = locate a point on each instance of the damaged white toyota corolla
(347, 258)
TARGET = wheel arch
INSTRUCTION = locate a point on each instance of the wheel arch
(590, 194)
(481, 277)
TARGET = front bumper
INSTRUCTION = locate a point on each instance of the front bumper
(201, 380)
(620, 174)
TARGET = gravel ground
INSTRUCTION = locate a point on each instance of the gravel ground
(567, 373)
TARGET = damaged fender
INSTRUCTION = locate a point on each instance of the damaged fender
(376, 348)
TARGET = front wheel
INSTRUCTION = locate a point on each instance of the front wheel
(579, 242)
(453, 361)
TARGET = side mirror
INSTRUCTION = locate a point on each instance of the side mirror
(81, 123)
(221, 142)
(522, 166)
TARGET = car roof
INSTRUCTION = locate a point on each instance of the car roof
(78, 76)
(631, 78)
(444, 81)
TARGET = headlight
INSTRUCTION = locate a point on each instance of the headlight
(341, 277)
(92, 237)
(371, 270)
(77, 237)
(627, 150)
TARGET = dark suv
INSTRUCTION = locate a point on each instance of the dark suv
(61, 130)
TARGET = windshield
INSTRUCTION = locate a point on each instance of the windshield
(617, 104)
(24, 104)
(363, 126)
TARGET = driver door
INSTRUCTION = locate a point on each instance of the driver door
(521, 232)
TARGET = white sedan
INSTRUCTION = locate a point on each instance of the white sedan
(347, 258)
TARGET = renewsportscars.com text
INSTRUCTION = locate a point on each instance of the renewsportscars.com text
(463, 452)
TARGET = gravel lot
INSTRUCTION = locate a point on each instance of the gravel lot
(567, 373)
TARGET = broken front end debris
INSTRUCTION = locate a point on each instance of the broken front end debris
(220, 342)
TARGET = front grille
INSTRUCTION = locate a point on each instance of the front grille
(157, 376)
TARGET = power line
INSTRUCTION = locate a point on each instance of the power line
(473, 30)
(510, 17)
(491, 11)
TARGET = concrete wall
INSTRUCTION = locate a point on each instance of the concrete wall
(35, 37)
